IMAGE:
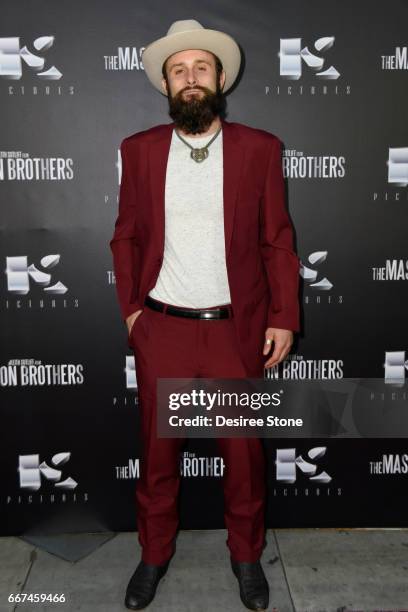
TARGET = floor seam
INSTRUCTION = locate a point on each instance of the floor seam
(284, 570)
(33, 554)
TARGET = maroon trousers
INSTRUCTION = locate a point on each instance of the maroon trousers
(166, 346)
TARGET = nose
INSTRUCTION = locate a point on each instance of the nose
(191, 77)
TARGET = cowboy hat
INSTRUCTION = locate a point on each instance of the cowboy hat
(190, 34)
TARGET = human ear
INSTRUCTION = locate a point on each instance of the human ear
(164, 86)
(222, 79)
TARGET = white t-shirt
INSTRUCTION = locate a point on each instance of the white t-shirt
(193, 272)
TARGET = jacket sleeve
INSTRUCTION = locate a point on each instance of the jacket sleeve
(276, 238)
(125, 250)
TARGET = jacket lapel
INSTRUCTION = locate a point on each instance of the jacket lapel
(158, 155)
(233, 153)
(233, 156)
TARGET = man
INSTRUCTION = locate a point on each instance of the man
(207, 281)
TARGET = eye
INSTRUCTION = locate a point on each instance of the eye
(202, 68)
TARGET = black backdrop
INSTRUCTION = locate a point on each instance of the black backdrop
(69, 426)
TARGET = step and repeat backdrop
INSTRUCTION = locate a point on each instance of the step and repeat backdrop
(331, 80)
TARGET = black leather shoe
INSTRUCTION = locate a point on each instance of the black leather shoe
(143, 584)
(253, 586)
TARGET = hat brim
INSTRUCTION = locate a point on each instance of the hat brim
(223, 45)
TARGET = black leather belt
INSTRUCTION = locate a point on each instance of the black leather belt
(221, 312)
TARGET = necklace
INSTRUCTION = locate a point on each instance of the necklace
(199, 154)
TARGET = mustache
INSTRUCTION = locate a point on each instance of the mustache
(199, 87)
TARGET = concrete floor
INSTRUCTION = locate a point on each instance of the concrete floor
(308, 570)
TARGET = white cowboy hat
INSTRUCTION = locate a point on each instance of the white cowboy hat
(190, 34)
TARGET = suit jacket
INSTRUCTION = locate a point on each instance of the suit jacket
(262, 267)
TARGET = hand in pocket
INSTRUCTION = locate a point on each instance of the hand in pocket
(130, 321)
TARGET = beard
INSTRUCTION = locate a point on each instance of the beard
(196, 113)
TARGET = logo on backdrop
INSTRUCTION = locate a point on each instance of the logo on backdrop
(397, 175)
(398, 61)
(31, 470)
(395, 368)
(310, 275)
(296, 367)
(119, 166)
(390, 464)
(130, 371)
(398, 166)
(292, 57)
(24, 278)
(111, 277)
(18, 61)
(19, 273)
(307, 476)
(287, 463)
(191, 466)
(296, 60)
(19, 166)
(130, 396)
(129, 471)
(42, 482)
(13, 57)
(127, 58)
(298, 165)
(33, 373)
(393, 270)
(318, 288)
(114, 196)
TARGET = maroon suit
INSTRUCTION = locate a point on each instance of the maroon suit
(263, 273)
(263, 270)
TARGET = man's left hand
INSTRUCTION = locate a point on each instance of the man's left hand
(282, 340)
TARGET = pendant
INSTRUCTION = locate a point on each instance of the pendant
(199, 155)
